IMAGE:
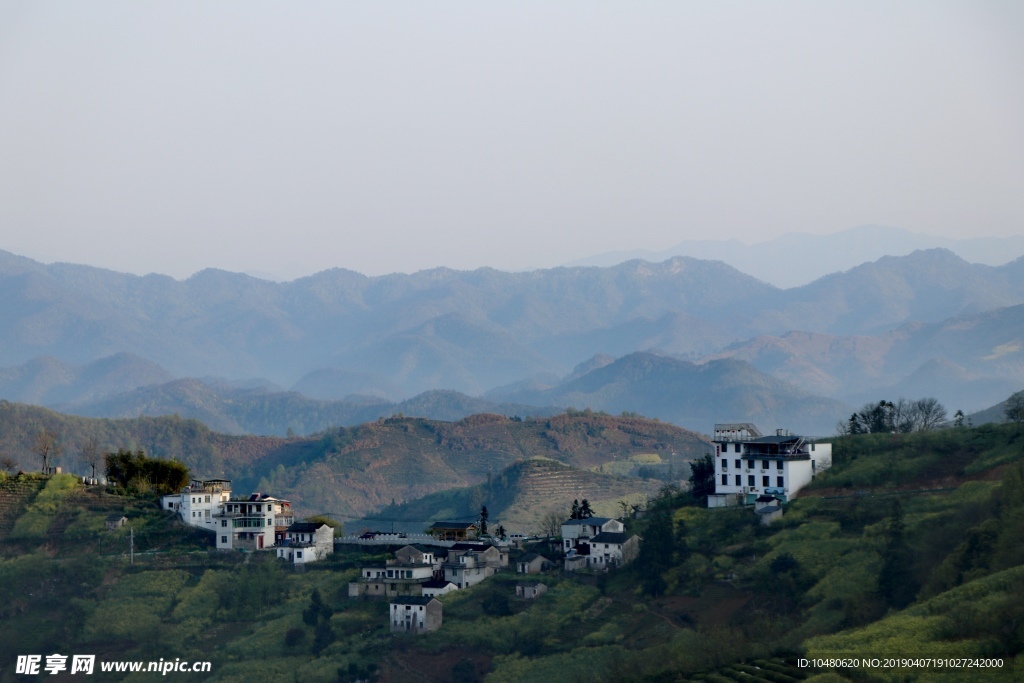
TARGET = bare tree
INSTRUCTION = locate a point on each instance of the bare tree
(91, 454)
(551, 523)
(930, 414)
(8, 464)
(47, 447)
(905, 415)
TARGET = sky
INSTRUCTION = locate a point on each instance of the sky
(282, 139)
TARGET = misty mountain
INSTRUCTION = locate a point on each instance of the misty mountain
(46, 380)
(692, 395)
(339, 333)
(966, 361)
(258, 411)
(796, 259)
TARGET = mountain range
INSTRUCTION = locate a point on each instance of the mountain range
(338, 347)
(798, 258)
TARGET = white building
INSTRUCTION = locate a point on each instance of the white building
(470, 563)
(417, 614)
(576, 530)
(252, 523)
(609, 549)
(748, 464)
(199, 502)
(306, 542)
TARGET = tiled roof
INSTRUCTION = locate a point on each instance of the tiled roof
(610, 537)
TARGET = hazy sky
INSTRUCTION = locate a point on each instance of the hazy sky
(287, 138)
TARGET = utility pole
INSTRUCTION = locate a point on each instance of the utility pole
(131, 545)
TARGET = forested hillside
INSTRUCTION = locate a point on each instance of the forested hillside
(353, 470)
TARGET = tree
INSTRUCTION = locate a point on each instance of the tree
(585, 511)
(1014, 410)
(500, 531)
(574, 511)
(8, 464)
(873, 418)
(655, 555)
(930, 414)
(702, 478)
(551, 524)
(135, 470)
(958, 418)
(91, 454)
(483, 520)
(46, 447)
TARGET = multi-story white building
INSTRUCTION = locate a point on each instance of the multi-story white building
(252, 523)
(199, 502)
(748, 464)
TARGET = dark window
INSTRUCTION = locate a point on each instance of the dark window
(750, 464)
(739, 449)
(750, 480)
(738, 480)
(764, 464)
(223, 539)
(725, 480)
(223, 522)
(778, 464)
(764, 481)
(780, 481)
(725, 464)
(737, 463)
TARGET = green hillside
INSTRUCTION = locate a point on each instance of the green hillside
(908, 547)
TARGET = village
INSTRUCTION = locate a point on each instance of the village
(750, 469)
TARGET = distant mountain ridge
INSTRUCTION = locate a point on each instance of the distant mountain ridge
(399, 335)
(688, 394)
(795, 259)
(966, 361)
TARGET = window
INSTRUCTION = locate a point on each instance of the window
(725, 464)
(764, 464)
(750, 480)
(738, 480)
(739, 449)
(207, 499)
(170, 505)
(778, 464)
(223, 522)
(224, 539)
(780, 482)
(764, 481)
(750, 464)
(298, 554)
(725, 480)
(737, 463)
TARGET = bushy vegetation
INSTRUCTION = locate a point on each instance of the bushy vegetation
(136, 472)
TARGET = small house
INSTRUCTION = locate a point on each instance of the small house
(531, 590)
(454, 531)
(417, 614)
(115, 521)
(532, 563)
